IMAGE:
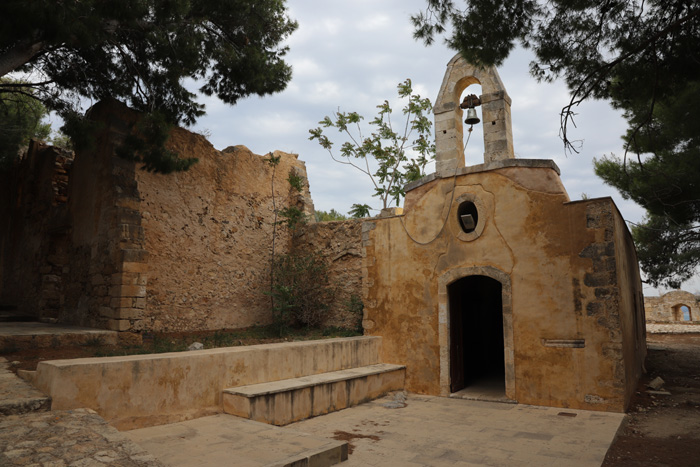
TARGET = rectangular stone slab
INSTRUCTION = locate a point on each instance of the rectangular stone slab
(290, 400)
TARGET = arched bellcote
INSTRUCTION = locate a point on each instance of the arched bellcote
(495, 105)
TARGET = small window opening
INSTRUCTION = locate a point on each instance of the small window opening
(468, 216)
(685, 313)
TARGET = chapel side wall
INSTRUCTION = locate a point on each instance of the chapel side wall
(340, 243)
(544, 245)
(208, 233)
(631, 306)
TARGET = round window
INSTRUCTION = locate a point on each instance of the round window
(468, 216)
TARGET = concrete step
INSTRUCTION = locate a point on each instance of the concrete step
(17, 396)
(9, 314)
(290, 400)
(26, 335)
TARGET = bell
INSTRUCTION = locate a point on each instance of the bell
(472, 118)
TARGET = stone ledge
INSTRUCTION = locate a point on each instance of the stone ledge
(275, 387)
(486, 167)
(283, 402)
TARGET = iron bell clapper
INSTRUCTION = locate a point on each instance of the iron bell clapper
(472, 118)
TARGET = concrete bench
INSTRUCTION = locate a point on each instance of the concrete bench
(290, 400)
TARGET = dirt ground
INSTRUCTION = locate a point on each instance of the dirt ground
(662, 429)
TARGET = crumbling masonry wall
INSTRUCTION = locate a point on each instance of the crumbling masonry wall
(340, 243)
(117, 247)
(33, 227)
(208, 232)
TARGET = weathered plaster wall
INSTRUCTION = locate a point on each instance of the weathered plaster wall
(340, 243)
(555, 260)
(666, 308)
(631, 304)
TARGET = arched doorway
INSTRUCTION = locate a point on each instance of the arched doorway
(477, 357)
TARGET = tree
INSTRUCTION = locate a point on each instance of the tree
(400, 156)
(358, 211)
(142, 51)
(332, 215)
(642, 56)
(21, 118)
(599, 47)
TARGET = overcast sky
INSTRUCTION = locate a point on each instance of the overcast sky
(351, 55)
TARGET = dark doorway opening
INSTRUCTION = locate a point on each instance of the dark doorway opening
(476, 336)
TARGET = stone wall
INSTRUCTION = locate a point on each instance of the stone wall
(33, 230)
(105, 244)
(208, 232)
(667, 308)
(340, 243)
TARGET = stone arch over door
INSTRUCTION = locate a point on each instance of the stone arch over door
(496, 119)
(444, 323)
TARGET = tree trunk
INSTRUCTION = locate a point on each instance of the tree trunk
(19, 55)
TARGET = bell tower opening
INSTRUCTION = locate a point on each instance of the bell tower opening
(477, 356)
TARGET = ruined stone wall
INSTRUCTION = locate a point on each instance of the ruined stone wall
(33, 229)
(208, 233)
(666, 308)
(116, 247)
(340, 243)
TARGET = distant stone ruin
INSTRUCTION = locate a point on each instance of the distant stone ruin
(675, 307)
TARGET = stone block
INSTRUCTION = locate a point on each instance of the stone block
(599, 279)
(121, 302)
(131, 232)
(128, 291)
(107, 312)
(133, 267)
(128, 216)
(134, 255)
(97, 279)
(129, 278)
(118, 325)
(130, 313)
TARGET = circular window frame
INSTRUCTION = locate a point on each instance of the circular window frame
(481, 218)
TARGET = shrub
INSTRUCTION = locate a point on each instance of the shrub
(301, 291)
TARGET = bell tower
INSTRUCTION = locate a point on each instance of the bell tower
(496, 121)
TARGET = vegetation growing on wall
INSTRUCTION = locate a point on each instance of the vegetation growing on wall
(301, 290)
(332, 215)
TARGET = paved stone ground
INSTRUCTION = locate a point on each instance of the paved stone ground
(67, 438)
(224, 439)
(30, 435)
(18, 396)
(438, 431)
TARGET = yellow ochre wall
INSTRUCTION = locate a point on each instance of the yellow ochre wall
(568, 270)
